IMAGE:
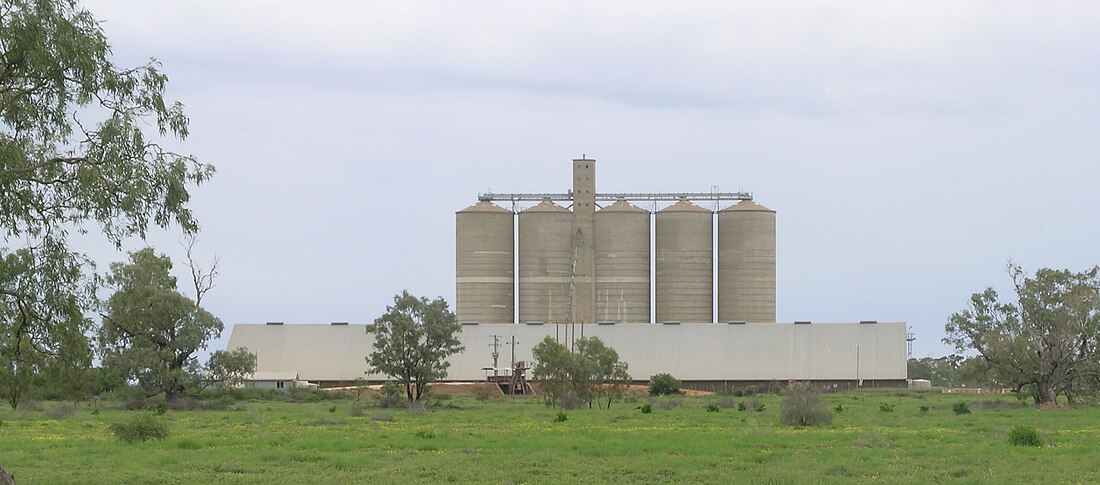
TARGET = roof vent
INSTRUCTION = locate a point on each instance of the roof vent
(605, 322)
(736, 322)
(868, 321)
(534, 323)
(274, 323)
(671, 323)
(802, 322)
(469, 323)
(339, 323)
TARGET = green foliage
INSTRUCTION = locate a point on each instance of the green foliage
(560, 417)
(756, 404)
(590, 374)
(485, 391)
(229, 368)
(924, 408)
(885, 407)
(839, 408)
(741, 406)
(663, 384)
(412, 342)
(142, 427)
(646, 408)
(1047, 343)
(150, 332)
(960, 407)
(1025, 436)
(160, 408)
(801, 405)
(713, 408)
(75, 153)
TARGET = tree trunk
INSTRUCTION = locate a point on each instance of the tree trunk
(1045, 394)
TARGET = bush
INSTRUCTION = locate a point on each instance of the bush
(382, 416)
(726, 402)
(160, 408)
(803, 406)
(60, 411)
(646, 408)
(961, 407)
(663, 384)
(1025, 436)
(570, 401)
(839, 408)
(560, 417)
(484, 391)
(669, 404)
(755, 404)
(741, 406)
(417, 408)
(142, 427)
(925, 408)
(885, 407)
(357, 409)
(713, 408)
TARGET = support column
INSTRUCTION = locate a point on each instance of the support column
(584, 214)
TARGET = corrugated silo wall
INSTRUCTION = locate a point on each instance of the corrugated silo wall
(746, 263)
(484, 264)
(684, 281)
(622, 264)
(545, 263)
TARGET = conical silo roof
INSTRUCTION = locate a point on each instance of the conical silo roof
(747, 206)
(545, 206)
(484, 206)
(683, 205)
(623, 206)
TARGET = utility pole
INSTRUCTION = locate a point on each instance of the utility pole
(496, 346)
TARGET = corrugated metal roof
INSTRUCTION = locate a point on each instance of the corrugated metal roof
(683, 205)
(748, 206)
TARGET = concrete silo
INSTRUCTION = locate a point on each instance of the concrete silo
(545, 263)
(746, 263)
(684, 280)
(484, 259)
(622, 264)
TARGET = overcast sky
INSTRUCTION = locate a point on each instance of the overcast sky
(910, 148)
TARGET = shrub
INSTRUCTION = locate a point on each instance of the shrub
(570, 401)
(713, 408)
(755, 404)
(669, 404)
(961, 407)
(1025, 436)
(924, 408)
(663, 384)
(417, 408)
(141, 428)
(60, 411)
(160, 408)
(332, 409)
(646, 408)
(357, 409)
(382, 416)
(885, 407)
(391, 388)
(484, 391)
(839, 408)
(741, 406)
(803, 406)
(561, 416)
(726, 402)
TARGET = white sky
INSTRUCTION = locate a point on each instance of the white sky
(910, 148)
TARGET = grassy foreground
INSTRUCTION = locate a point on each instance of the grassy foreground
(518, 441)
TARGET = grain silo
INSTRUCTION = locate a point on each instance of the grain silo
(545, 263)
(746, 263)
(622, 264)
(684, 257)
(484, 266)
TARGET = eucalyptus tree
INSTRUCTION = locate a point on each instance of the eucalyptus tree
(80, 149)
(151, 332)
(1046, 343)
(412, 342)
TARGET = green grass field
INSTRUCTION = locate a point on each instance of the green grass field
(518, 441)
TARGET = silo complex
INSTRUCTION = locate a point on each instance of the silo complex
(746, 263)
(578, 265)
(684, 280)
(484, 266)
(622, 264)
(545, 263)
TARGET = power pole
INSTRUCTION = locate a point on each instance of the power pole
(496, 346)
